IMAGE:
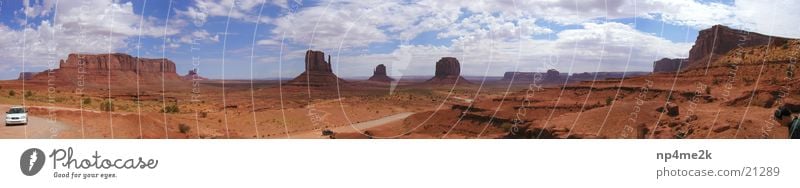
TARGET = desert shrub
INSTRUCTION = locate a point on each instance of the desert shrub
(107, 105)
(173, 108)
(506, 126)
(203, 114)
(609, 100)
(689, 95)
(87, 101)
(183, 128)
(708, 90)
(28, 93)
(12, 93)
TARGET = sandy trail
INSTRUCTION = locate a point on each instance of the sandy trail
(358, 127)
(37, 127)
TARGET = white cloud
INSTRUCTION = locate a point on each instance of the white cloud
(244, 10)
(92, 26)
(606, 43)
(200, 35)
(778, 17)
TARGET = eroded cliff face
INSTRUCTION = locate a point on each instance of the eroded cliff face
(116, 62)
(315, 62)
(116, 70)
(448, 67)
(718, 40)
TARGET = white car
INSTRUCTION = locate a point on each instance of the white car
(17, 115)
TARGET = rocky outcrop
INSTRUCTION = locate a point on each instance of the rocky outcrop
(671, 109)
(448, 71)
(713, 43)
(667, 65)
(718, 40)
(26, 75)
(193, 75)
(318, 72)
(380, 74)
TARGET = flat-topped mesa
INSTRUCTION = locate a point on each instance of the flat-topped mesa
(318, 72)
(380, 74)
(117, 62)
(718, 40)
(668, 65)
(115, 69)
(551, 76)
(448, 71)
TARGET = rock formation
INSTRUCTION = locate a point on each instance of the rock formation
(718, 40)
(193, 75)
(551, 76)
(671, 109)
(668, 65)
(448, 71)
(318, 71)
(380, 74)
(117, 62)
(26, 75)
(519, 76)
(120, 69)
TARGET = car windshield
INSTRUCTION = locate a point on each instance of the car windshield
(16, 111)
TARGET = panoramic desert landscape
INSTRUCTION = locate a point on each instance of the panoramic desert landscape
(733, 84)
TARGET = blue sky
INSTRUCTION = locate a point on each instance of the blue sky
(488, 37)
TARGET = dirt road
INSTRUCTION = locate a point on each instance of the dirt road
(37, 127)
(358, 127)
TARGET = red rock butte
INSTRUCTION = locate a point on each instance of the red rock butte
(193, 75)
(380, 74)
(448, 71)
(715, 42)
(118, 68)
(318, 72)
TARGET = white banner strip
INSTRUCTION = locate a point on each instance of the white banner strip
(401, 163)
